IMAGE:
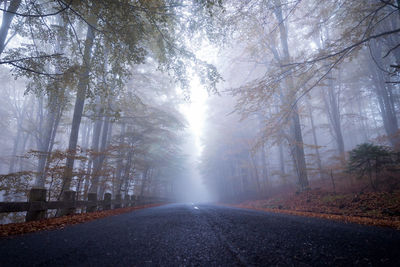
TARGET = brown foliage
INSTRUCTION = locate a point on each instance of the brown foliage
(60, 222)
(372, 208)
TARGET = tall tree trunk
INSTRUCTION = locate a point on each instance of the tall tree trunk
(281, 159)
(263, 159)
(53, 134)
(331, 99)
(333, 111)
(127, 170)
(27, 139)
(55, 108)
(6, 22)
(43, 148)
(17, 141)
(385, 97)
(315, 139)
(299, 150)
(255, 172)
(100, 158)
(92, 164)
(144, 180)
(83, 166)
(296, 135)
(264, 168)
(364, 127)
(120, 158)
(78, 109)
(89, 163)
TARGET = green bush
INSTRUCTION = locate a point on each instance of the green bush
(369, 160)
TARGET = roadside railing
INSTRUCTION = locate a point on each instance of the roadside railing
(37, 206)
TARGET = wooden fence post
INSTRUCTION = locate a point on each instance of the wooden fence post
(107, 201)
(92, 197)
(68, 199)
(118, 203)
(36, 199)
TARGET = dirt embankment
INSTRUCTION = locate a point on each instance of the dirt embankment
(370, 208)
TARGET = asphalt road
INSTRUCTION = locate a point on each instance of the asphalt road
(205, 235)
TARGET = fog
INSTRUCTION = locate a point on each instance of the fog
(199, 101)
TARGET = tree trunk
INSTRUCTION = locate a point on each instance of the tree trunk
(78, 109)
(54, 112)
(118, 170)
(384, 95)
(335, 113)
(331, 99)
(299, 150)
(94, 159)
(15, 151)
(255, 172)
(364, 127)
(98, 163)
(17, 141)
(144, 180)
(43, 148)
(6, 22)
(315, 139)
(264, 168)
(127, 170)
(89, 163)
(281, 159)
(332, 110)
(26, 140)
(296, 135)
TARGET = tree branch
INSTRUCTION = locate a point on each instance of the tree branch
(28, 58)
(344, 50)
(38, 15)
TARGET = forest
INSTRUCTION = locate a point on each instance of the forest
(315, 103)
(200, 100)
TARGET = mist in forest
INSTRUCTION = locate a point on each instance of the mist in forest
(198, 101)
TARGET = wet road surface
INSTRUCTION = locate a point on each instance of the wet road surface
(205, 235)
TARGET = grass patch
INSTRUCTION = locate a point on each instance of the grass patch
(332, 198)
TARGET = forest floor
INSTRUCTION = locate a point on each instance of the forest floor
(60, 222)
(370, 208)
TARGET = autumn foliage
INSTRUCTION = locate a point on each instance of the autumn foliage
(370, 208)
(61, 222)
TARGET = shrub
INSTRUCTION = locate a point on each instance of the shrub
(369, 160)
